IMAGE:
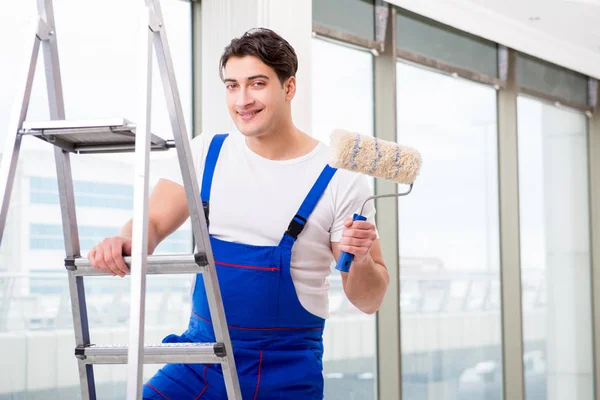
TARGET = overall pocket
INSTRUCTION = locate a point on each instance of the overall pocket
(290, 375)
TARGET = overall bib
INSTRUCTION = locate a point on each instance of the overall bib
(277, 343)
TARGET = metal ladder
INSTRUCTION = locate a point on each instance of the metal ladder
(85, 137)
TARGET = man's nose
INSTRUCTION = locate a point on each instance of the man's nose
(244, 98)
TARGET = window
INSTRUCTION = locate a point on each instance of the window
(555, 251)
(50, 237)
(357, 18)
(349, 336)
(98, 70)
(552, 80)
(445, 44)
(87, 194)
(449, 239)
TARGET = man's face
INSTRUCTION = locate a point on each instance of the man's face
(256, 100)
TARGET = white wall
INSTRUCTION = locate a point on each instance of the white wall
(224, 19)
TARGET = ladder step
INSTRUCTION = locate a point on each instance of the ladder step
(156, 265)
(93, 136)
(163, 353)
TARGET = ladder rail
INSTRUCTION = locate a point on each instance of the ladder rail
(139, 241)
(159, 264)
(12, 147)
(49, 47)
(184, 353)
(198, 219)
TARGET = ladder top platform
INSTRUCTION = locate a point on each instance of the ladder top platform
(91, 136)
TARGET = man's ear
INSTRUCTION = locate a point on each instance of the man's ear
(290, 88)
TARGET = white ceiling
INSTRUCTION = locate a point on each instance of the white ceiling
(575, 21)
(566, 32)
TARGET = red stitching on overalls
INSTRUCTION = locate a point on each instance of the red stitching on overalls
(261, 329)
(205, 387)
(258, 380)
(156, 390)
(246, 266)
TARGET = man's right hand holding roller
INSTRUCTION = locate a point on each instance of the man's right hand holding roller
(366, 283)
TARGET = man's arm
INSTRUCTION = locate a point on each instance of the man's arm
(167, 211)
(366, 283)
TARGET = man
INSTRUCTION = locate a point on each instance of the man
(279, 215)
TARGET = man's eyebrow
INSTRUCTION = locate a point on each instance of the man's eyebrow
(257, 76)
(250, 78)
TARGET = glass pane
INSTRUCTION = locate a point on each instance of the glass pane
(552, 80)
(431, 39)
(98, 68)
(352, 16)
(555, 253)
(449, 240)
(349, 336)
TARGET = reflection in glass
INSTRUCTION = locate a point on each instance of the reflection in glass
(555, 253)
(349, 337)
(98, 68)
(449, 240)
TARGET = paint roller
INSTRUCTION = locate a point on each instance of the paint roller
(377, 158)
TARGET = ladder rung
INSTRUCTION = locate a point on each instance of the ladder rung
(156, 265)
(93, 136)
(163, 353)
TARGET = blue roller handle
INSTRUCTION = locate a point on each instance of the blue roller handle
(345, 259)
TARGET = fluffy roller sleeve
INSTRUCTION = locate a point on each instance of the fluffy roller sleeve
(374, 157)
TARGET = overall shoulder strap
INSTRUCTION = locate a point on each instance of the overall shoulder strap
(209, 166)
(310, 202)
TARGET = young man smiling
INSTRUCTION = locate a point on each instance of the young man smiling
(279, 216)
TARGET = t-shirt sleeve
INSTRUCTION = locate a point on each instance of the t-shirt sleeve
(351, 192)
(171, 170)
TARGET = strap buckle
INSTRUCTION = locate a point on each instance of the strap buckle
(296, 226)
(206, 207)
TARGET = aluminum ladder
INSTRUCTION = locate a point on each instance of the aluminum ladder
(110, 136)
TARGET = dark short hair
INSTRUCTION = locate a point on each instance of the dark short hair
(268, 46)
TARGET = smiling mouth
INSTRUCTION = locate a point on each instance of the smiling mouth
(246, 116)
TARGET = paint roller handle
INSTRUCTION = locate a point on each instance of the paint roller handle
(345, 259)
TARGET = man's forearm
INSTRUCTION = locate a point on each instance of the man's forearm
(366, 285)
(126, 230)
(153, 239)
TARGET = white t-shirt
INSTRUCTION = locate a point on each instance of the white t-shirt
(253, 200)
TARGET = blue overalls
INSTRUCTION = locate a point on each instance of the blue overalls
(277, 343)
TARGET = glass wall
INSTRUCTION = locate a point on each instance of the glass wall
(449, 239)
(354, 20)
(425, 37)
(555, 252)
(551, 80)
(450, 311)
(349, 336)
(98, 66)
